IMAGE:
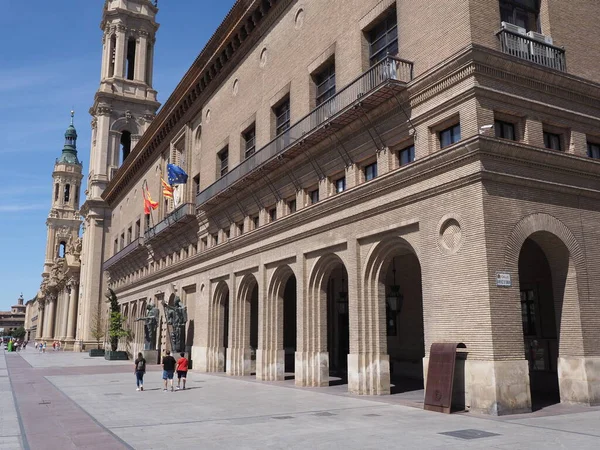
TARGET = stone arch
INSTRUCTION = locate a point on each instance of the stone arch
(244, 326)
(312, 356)
(370, 360)
(218, 328)
(270, 359)
(574, 312)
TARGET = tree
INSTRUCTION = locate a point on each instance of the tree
(98, 330)
(18, 333)
(115, 324)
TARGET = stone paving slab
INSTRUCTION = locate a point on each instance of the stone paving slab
(220, 412)
(10, 430)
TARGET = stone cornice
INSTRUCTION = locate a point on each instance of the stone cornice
(233, 39)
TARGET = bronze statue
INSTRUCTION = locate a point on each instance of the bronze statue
(150, 325)
(177, 318)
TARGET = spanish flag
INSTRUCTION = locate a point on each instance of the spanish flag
(167, 189)
(148, 203)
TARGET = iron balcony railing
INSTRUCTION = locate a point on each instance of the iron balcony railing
(532, 50)
(127, 250)
(180, 214)
(390, 69)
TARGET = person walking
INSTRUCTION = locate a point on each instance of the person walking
(140, 370)
(168, 369)
(182, 370)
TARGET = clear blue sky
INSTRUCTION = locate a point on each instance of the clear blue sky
(50, 55)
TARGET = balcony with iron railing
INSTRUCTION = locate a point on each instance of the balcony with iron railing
(378, 84)
(172, 223)
(124, 253)
(532, 50)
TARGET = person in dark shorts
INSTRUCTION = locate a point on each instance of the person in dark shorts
(182, 370)
(168, 369)
(140, 370)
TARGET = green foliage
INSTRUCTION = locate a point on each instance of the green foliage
(18, 333)
(116, 330)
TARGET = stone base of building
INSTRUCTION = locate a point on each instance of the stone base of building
(270, 365)
(312, 369)
(368, 374)
(579, 380)
(239, 362)
(208, 359)
(67, 344)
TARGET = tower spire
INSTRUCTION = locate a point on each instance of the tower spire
(69, 152)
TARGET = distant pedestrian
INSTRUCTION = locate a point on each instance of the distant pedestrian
(44, 347)
(168, 369)
(140, 370)
(182, 370)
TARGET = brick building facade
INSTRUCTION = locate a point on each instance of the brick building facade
(369, 178)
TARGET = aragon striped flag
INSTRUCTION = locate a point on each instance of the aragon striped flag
(167, 189)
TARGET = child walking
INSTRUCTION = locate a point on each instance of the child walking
(140, 370)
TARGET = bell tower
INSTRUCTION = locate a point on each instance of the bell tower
(63, 220)
(124, 106)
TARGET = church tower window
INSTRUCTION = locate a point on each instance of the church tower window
(112, 55)
(56, 190)
(131, 58)
(125, 144)
(62, 248)
(67, 192)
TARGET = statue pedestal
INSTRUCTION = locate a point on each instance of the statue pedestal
(151, 356)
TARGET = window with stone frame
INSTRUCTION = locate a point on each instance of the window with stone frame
(553, 141)
(593, 150)
(138, 228)
(249, 137)
(325, 83)
(282, 116)
(291, 205)
(383, 38)
(313, 196)
(340, 185)
(223, 160)
(406, 155)
(370, 171)
(272, 214)
(449, 136)
(522, 13)
(505, 130)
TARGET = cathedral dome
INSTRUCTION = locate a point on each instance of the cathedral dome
(69, 153)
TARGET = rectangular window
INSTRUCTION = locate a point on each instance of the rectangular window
(116, 246)
(122, 241)
(240, 228)
(215, 239)
(552, 141)
(383, 38)
(282, 117)
(147, 222)
(197, 184)
(522, 13)
(272, 214)
(325, 83)
(138, 228)
(450, 136)
(505, 130)
(223, 157)
(227, 234)
(291, 204)
(313, 196)
(255, 222)
(407, 155)
(129, 235)
(340, 185)
(370, 171)
(249, 141)
(594, 150)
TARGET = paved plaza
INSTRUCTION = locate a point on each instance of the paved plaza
(68, 400)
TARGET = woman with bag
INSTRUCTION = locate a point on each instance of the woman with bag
(140, 370)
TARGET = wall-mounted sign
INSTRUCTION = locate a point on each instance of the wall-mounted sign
(503, 279)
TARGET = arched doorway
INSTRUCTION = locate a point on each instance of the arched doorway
(404, 322)
(244, 342)
(277, 346)
(392, 330)
(218, 339)
(323, 339)
(543, 270)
